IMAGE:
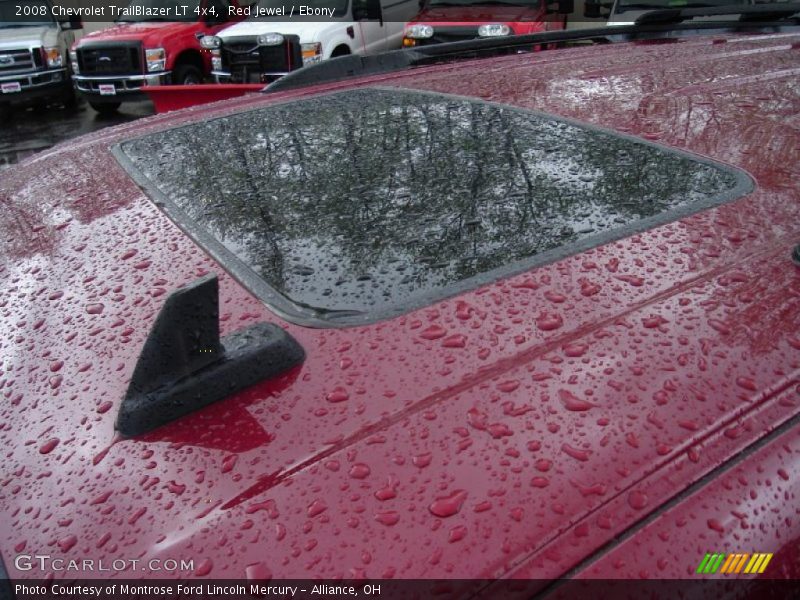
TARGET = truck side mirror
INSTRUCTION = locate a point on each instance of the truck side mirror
(597, 9)
(367, 10)
(562, 7)
(74, 22)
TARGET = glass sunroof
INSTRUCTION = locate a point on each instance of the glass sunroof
(359, 205)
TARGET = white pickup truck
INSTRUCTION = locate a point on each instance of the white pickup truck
(253, 50)
(34, 57)
(627, 12)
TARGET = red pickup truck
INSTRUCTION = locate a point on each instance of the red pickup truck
(454, 20)
(146, 48)
(519, 316)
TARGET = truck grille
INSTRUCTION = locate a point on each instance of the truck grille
(119, 59)
(18, 60)
(246, 61)
(451, 34)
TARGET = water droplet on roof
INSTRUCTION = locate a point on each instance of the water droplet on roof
(447, 506)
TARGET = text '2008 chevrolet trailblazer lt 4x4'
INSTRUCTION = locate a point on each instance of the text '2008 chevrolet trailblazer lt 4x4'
(465, 313)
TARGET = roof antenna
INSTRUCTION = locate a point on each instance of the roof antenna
(184, 365)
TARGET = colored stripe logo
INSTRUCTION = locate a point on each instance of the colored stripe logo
(734, 564)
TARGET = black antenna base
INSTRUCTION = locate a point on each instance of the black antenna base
(184, 365)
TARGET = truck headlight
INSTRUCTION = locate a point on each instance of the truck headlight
(494, 30)
(156, 59)
(53, 58)
(419, 32)
(209, 42)
(216, 60)
(73, 58)
(312, 53)
(270, 39)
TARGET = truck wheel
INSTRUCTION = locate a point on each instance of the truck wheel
(340, 51)
(105, 108)
(187, 75)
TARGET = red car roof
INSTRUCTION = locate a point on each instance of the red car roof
(580, 398)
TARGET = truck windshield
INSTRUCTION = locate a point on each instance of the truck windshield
(268, 8)
(139, 11)
(25, 13)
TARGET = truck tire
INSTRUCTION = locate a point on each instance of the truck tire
(186, 74)
(340, 51)
(105, 108)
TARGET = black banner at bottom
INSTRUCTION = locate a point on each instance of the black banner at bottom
(110, 589)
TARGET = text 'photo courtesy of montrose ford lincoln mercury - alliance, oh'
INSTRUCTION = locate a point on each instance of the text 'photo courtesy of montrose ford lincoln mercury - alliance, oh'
(513, 316)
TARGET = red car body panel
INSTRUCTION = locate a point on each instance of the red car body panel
(756, 497)
(511, 431)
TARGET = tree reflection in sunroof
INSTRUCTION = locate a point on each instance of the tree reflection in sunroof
(373, 200)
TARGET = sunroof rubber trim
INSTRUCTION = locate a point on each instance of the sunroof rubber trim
(306, 316)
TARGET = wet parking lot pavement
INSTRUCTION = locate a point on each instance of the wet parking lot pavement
(26, 132)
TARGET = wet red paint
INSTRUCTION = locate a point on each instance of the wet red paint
(679, 345)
